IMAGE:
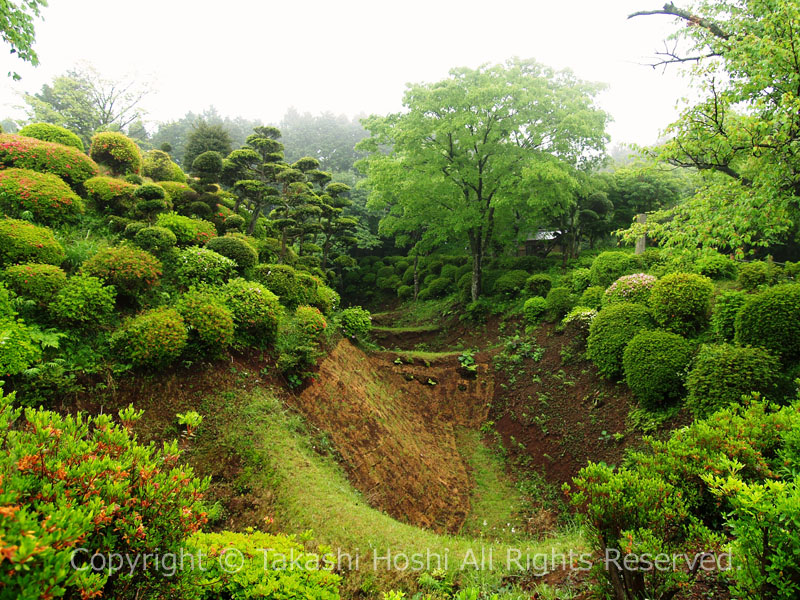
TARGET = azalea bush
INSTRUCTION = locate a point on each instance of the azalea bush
(39, 282)
(355, 322)
(70, 164)
(256, 312)
(154, 338)
(681, 302)
(111, 195)
(117, 152)
(21, 241)
(131, 270)
(209, 323)
(83, 300)
(187, 230)
(196, 265)
(630, 288)
(236, 249)
(610, 332)
(45, 196)
(47, 132)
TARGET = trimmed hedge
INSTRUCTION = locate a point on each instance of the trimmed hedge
(47, 132)
(70, 164)
(116, 151)
(35, 281)
(723, 373)
(771, 320)
(44, 195)
(256, 312)
(610, 266)
(610, 332)
(108, 194)
(654, 363)
(155, 338)
(236, 249)
(681, 302)
(21, 241)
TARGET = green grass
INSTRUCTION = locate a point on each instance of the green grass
(407, 329)
(421, 354)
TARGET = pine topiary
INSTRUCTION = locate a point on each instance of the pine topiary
(131, 270)
(45, 196)
(681, 302)
(723, 373)
(610, 266)
(47, 132)
(610, 332)
(151, 199)
(117, 152)
(70, 164)
(35, 281)
(771, 320)
(236, 249)
(654, 363)
(21, 241)
(155, 338)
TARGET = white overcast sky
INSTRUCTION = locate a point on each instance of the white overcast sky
(256, 58)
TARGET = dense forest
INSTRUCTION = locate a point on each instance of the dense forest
(459, 351)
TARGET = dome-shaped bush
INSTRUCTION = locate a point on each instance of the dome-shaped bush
(256, 312)
(771, 320)
(327, 299)
(133, 228)
(654, 363)
(195, 265)
(70, 164)
(209, 321)
(309, 320)
(154, 239)
(151, 199)
(43, 195)
(630, 288)
(510, 283)
(717, 266)
(538, 284)
(48, 132)
(116, 151)
(282, 281)
(188, 231)
(753, 275)
(83, 300)
(355, 322)
(592, 297)
(580, 279)
(21, 241)
(108, 194)
(723, 317)
(132, 271)
(610, 266)
(233, 223)
(723, 373)
(611, 330)
(435, 288)
(35, 281)
(154, 338)
(180, 194)
(534, 310)
(559, 301)
(236, 249)
(158, 166)
(681, 302)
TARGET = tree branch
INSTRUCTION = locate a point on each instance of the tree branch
(671, 9)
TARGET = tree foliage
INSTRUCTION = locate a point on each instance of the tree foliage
(17, 29)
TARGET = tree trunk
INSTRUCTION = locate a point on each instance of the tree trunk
(283, 245)
(251, 226)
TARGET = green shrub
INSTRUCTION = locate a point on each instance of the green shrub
(208, 321)
(327, 299)
(534, 310)
(133, 228)
(236, 249)
(19, 351)
(83, 300)
(610, 266)
(654, 363)
(447, 272)
(355, 322)
(384, 272)
(70, 164)
(154, 338)
(46, 197)
(388, 284)
(580, 280)
(48, 132)
(132, 271)
(630, 288)
(611, 330)
(723, 373)
(681, 302)
(592, 297)
(436, 288)
(35, 281)
(233, 223)
(155, 239)
(85, 486)
(771, 320)
(158, 166)
(723, 317)
(21, 241)
(538, 284)
(717, 266)
(559, 301)
(293, 287)
(511, 283)
(110, 195)
(408, 276)
(753, 275)
(117, 152)
(405, 292)
(180, 194)
(188, 231)
(195, 265)
(151, 199)
(577, 323)
(256, 312)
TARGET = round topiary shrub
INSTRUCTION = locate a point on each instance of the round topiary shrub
(577, 322)
(384, 272)
(611, 330)
(281, 280)
(405, 292)
(180, 194)
(70, 164)
(21, 241)
(188, 231)
(592, 297)
(208, 321)
(610, 266)
(110, 195)
(154, 338)
(116, 151)
(511, 283)
(35, 281)
(233, 223)
(83, 300)
(236, 249)
(654, 363)
(723, 317)
(154, 239)
(48, 132)
(559, 301)
(436, 288)
(326, 299)
(754, 275)
(771, 320)
(580, 280)
(151, 199)
(207, 166)
(723, 373)
(132, 271)
(310, 322)
(158, 166)
(630, 288)
(256, 312)
(447, 272)
(355, 322)
(195, 265)
(133, 228)
(43, 195)
(681, 302)
(534, 310)
(717, 266)
(538, 284)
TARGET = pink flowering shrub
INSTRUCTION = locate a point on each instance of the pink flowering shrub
(69, 163)
(630, 288)
(46, 197)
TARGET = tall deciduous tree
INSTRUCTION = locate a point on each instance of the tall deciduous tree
(470, 136)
